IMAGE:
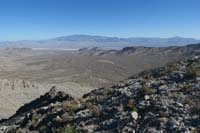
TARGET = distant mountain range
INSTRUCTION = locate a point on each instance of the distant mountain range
(81, 41)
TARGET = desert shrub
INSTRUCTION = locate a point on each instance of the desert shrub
(43, 127)
(35, 116)
(21, 130)
(96, 111)
(186, 88)
(88, 104)
(71, 106)
(66, 117)
(176, 95)
(192, 71)
(196, 107)
(171, 68)
(162, 72)
(81, 100)
(34, 123)
(195, 130)
(110, 91)
(188, 101)
(145, 90)
(135, 109)
(67, 129)
(131, 105)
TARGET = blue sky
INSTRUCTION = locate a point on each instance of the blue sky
(38, 19)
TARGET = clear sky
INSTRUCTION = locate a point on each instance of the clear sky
(37, 19)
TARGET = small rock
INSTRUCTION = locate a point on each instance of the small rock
(134, 114)
(163, 120)
(146, 97)
(152, 130)
(84, 113)
(179, 104)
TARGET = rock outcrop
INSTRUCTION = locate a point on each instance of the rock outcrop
(160, 100)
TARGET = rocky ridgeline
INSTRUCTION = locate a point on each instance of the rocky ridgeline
(155, 101)
(185, 51)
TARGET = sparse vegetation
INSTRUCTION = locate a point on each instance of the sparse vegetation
(71, 106)
(67, 129)
(188, 101)
(43, 127)
(194, 130)
(192, 71)
(66, 117)
(70, 130)
(131, 104)
(110, 92)
(186, 88)
(21, 130)
(145, 90)
(95, 110)
(196, 107)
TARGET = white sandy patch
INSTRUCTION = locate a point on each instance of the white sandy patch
(106, 61)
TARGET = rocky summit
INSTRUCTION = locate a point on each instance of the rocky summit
(160, 100)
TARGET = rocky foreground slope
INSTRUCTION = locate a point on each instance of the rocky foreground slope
(161, 100)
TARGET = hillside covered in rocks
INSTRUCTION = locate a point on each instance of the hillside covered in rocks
(160, 100)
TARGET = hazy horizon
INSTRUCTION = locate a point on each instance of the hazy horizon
(93, 35)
